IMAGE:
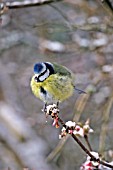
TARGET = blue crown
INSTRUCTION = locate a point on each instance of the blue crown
(38, 68)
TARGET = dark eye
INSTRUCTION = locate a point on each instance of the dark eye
(36, 79)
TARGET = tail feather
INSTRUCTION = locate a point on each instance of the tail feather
(80, 91)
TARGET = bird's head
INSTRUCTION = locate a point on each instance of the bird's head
(42, 71)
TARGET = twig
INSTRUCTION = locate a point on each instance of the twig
(78, 141)
(84, 148)
(87, 141)
(28, 3)
(101, 27)
(107, 5)
(53, 111)
(24, 4)
(69, 25)
(79, 107)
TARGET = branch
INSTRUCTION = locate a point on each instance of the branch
(84, 148)
(53, 111)
(87, 141)
(78, 109)
(107, 5)
(96, 27)
(24, 4)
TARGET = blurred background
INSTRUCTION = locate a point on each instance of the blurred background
(79, 35)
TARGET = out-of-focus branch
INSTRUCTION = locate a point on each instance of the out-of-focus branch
(97, 27)
(101, 27)
(24, 4)
(104, 129)
(107, 5)
(21, 143)
(16, 135)
(64, 16)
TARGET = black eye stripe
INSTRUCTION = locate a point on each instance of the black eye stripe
(50, 67)
(36, 79)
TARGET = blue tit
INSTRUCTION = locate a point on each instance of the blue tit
(52, 82)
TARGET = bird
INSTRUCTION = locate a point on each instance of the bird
(52, 82)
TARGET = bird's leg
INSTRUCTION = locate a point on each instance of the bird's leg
(57, 104)
(44, 107)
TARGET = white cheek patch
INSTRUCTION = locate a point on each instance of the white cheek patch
(36, 75)
(44, 76)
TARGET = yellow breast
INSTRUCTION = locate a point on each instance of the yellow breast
(55, 87)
